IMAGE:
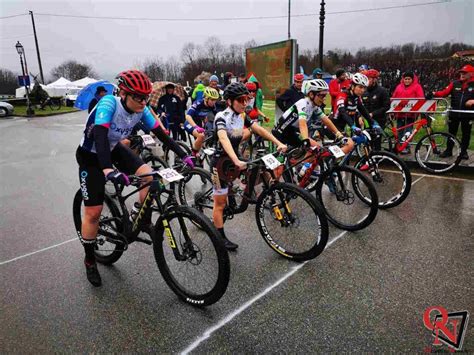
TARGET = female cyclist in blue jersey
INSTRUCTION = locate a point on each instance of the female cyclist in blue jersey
(101, 153)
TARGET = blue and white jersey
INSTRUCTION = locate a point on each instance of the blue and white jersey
(110, 113)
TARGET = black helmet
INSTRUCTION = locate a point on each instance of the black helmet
(234, 90)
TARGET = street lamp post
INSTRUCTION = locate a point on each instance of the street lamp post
(21, 52)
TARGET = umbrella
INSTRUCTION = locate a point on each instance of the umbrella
(87, 94)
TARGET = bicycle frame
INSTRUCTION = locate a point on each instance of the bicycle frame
(419, 124)
(132, 229)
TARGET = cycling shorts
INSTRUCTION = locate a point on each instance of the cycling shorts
(219, 186)
(91, 176)
(290, 136)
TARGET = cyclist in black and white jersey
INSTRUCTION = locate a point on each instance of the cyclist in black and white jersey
(229, 127)
(292, 127)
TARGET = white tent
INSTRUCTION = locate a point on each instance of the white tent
(61, 82)
(83, 82)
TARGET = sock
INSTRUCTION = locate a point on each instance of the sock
(89, 247)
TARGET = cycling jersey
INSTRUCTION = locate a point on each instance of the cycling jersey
(199, 111)
(302, 109)
(348, 108)
(234, 124)
(111, 114)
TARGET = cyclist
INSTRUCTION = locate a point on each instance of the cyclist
(337, 85)
(252, 110)
(100, 149)
(292, 127)
(229, 125)
(349, 107)
(197, 115)
(292, 94)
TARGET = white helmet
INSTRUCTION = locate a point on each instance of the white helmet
(315, 85)
(360, 79)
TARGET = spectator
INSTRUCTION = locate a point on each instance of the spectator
(198, 92)
(214, 82)
(292, 94)
(251, 109)
(317, 73)
(259, 95)
(409, 87)
(462, 99)
(242, 78)
(376, 99)
(170, 105)
(337, 85)
(100, 92)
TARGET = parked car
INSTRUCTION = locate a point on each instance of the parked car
(5, 109)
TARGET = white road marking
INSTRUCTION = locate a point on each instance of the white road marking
(37, 251)
(262, 294)
(414, 182)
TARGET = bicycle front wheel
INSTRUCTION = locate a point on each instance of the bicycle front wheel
(291, 222)
(338, 190)
(192, 260)
(195, 190)
(430, 152)
(390, 175)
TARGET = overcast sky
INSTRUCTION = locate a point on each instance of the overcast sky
(114, 45)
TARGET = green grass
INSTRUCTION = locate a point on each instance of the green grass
(21, 111)
(439, 125)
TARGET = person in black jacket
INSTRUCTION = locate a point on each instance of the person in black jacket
(376, 100)
(292, 94)
(171, 105)
(99, 93)
(462, 106)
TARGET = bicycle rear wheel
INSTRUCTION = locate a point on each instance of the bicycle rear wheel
(110, 246)
(291, 222)
(390, 176)
(192, 260)
(429, 149)
(338, 190)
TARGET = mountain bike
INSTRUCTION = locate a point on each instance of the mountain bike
(348, 198)
(289, 219)
(429, 149)
(193, 261)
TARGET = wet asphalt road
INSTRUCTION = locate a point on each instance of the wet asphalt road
(366, 292)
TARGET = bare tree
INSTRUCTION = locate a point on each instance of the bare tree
(173, 70)
(8, 83)
(72, 70)
(154, 68)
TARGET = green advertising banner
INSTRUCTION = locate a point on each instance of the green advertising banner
(273, 65)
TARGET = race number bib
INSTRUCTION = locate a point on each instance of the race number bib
(336, 151)
(271, 162)
(148, 140)
(170, 175)
(209, 151)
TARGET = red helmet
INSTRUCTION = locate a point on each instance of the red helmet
(134, 82)
(251, 86)
(298, 77)
(468, 68)
(372, 73)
